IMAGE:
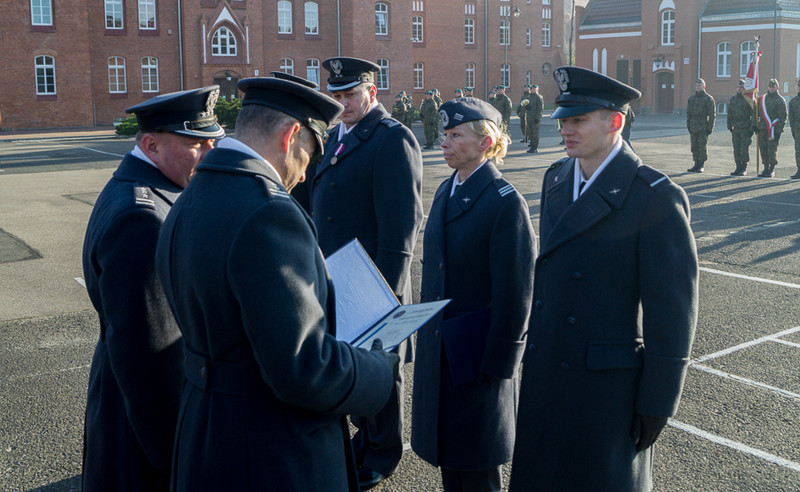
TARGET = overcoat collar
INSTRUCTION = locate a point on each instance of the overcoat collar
(233, 161)
(463, 199)
(352, 140)
(565, 219)
(136, 170)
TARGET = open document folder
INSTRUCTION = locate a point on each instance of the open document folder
(366, 307)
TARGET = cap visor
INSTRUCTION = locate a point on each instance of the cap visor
(213, 131)
(568, 111)
(342, 87)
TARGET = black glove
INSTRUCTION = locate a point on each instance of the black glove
(646, 429)
(391, 357)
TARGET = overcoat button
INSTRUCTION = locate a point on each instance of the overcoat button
(571, 320)
(544, 261)
(436, 333)
(203, 372)
(576, 275)
(441, 266)
(438, 298)
(565, 366)
(333, 185)
(537, 304)
(532, 346)
(330, 219)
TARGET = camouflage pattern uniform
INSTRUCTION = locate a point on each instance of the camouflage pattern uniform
(700, 116)
(776, 109)
(399, 110)
(523, 113)
(428, 112)
(534, 116)
(503, 104)
(741, 124)
(794, 122)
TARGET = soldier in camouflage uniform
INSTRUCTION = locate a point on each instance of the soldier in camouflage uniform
(700, 114)
(534, 117)
(437, 98)
(522, 112)
(772, 107)
(399, 109)
(428, 112)
(408, 103)
(468, 92)
(504, 105)
(458, 93)
(742, 125)
(794, 122)
(492, 98)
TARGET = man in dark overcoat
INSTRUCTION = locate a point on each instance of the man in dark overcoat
(268, 385)
(137, 369)
(614, 304)
(368, 186)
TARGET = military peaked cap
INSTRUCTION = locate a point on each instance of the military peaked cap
(584, 91)
(346, 73)
(189, 113)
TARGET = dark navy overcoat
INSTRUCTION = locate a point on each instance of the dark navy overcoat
(268, 385)
(614, 312)
(479, 249)
(137, 369)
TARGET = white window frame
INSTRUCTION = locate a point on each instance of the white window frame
(381, 19)
(545, 35)
(312, 70)
(746, 50)
(505, 32)
(470, 75)
(147, 12)
(114, 8)
(149, 74)
(505, 74)
(41, 12)
(419, 75)
(223, 42)
(382, 78)
(724, 55)
(547, 13)
(287, 65)
(528, 37)
(117, 77)
(45, 73)
(417, 32)
(545, 2)
(284, 17)
(469, 30)
(311, 10)
(668, 27)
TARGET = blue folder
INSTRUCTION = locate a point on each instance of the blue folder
(464, 339)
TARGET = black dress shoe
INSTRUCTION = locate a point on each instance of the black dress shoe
(368, 478)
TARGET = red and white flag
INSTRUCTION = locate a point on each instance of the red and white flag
(751, 80)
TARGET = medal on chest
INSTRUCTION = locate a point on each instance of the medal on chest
(337, 153)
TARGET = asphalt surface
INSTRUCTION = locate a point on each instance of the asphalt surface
(738, 427)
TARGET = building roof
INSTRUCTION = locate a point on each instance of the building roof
(608, 12)
(721, 7)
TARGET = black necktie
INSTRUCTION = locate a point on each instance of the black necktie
(580, 187)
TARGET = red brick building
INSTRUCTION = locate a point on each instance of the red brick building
(662, 46)
(75, 63)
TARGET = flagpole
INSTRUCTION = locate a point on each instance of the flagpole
(755, 99)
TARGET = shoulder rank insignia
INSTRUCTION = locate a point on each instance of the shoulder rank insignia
(506, 190)
(142, 196)
(390, 122)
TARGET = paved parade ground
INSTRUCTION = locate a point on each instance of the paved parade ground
(738, 426)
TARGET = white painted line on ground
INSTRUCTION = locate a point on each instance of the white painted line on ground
(102, 152)
(746, 381)
(742, 448)
(704, 196)
(774, 203)
(80, 281)
(744, 345)
(747, 277)
(786, 342)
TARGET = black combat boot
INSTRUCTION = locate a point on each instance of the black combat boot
(768, 172)
(796, 175)
(697, 168)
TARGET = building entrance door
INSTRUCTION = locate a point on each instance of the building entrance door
(665, 92)
(227, 88)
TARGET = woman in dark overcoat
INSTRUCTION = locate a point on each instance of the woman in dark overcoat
(479, 249)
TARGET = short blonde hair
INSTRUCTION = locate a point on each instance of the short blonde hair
(500, 140)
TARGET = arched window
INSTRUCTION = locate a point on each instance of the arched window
(312, 18)
(381, 18)
(223, 43)
(419, 75)
(284, 17)
(470, 75)
(595, 61)
(546, 34)
(724, 59)
(668, 27)
(747, 50)
(149, 74)
(382, 81)
(312, 70)
(287, 66)
(604, 61)
(469, 31)
(116, 75)
(416, 28)
(45, 67)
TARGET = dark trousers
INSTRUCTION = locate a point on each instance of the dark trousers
(741, 145)
(769, 148)
(699, 146)
(797, 149)
(378, 443)
(533, 134)
(472, 481)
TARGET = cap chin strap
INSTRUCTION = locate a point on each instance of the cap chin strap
(577, 100)
(187, 125)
